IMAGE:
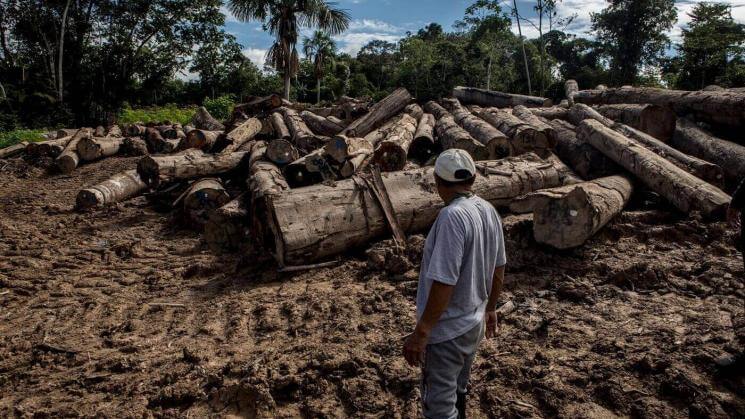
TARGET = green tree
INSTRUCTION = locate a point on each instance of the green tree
(633, 34)
(284, 19)
(320, 49)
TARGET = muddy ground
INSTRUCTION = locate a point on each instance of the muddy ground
(122, 312)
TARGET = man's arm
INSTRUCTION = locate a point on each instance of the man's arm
(437, 303)
(491, 306)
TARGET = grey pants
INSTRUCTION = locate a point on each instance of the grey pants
(447, 367)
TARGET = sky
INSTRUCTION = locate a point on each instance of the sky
(390, 20)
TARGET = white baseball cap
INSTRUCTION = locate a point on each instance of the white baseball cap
(455, 165)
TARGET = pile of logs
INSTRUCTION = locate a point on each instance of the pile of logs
(309, 183)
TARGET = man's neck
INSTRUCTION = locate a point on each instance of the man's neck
(465, 193)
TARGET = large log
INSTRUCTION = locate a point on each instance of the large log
(685, 191)
(187, 165)
(697, 142)
(554, 112)
(134, 146)
(379, 113)
(281, 152)
(279, 127)
(391, 153)
(227, 229)
(134, 130)
(657, 121)
(524, 138)
(202, 198)
(321, 125)
(321, 221)
(297, 173)
(302, 137)
(93, 148)
(242, 134)
(415, 111)
(342, 148)
(527, 116)
(51, 148)
(584, 159)
(204, 121)
(726, 107)
(490, 98)
(265, 182)
(65, 132)
(567, 216)
(120, 187)
(423, 147)
(451, 135)
(495, 141)
(68, 160)
(200, 139)
(570, 90)
(259, 105)
(13, 150)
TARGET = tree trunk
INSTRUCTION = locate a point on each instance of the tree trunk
(202, 198)
(723, 108)
(63, 26)
(288, 81)
(241, 135)
(657, 121)
(134, 130)
(525, 115)
(68, 160)
(281, 152)
(134, 146)
(100, 131)
(227, 229)
(423, 147)
(200, 140)
(297, 173)
(415, 111)
(120, 187)
(115, 131)
(379, 113)
(204, 121)
(92, 148)
(584, 159)
(321, 125)
(522, 45)
(65, 133)
(51, 148)
(524, 138)
(13, 150)
(685, 191)
(495, 141)
(391, 153)
(554, 112)
(318, 90)
(567, 216)
(490, 98)
(342, 148)
(301, 219)
(567, 176)
(280, 128)
(355, 165)
(571, 88)
(302, 137)
(265, 182)
(451, 135)
(258, 106)
(697, 142)
(187, 165)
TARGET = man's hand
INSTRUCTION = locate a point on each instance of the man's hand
(492, 324)
(733, 217)
(414, 347)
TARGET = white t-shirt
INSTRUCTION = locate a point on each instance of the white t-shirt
(463, 248)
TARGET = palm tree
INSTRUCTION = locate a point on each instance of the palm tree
(320, 49)
(283, 19)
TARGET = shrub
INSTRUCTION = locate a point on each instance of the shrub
(221, 108)
(156, 114)
(10, 138)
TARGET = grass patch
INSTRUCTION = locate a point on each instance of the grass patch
(156, 114)
(10, 138)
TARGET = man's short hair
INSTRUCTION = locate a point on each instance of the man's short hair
(449, 184)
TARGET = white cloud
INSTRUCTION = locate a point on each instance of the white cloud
(351, 43)
(373, 25)
(228, 16)
(257, 55)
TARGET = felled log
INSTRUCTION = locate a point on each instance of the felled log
(187, 165)
(379, 113)
(99, 131)
(527, 116)
(68, 160)
(240, 135)
(265, 182)
(337, 121)
(567, 216)
(302, 137)
(134, 130)
(321, 125)
(423, 147)
(321, 221)
(657, 121)
(134, 146)
(342, 148)
(93, 148)
(554, 112)
(200, 139)
(584, 159)
(114, 131)
(281, 152)
(355, 165)
(204, 121)
(352, 108)
(202, 198)
(279, 127)
(685, 191)
(227, 229)
(567, 176)
(570, 89)
(451, 135)
(490, 98)
(524, 137)
(120, 187)
(436, 109)
(391, 153)
(695, 141)
(13, 150)
(51, 148)
(154, 140)
(65, 132)
(713, 107)
(297, 173)
(601, 87)
(260, 105)
(414, 110)
(495, 141)
(579, 112)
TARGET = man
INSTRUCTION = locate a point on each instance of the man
(735, 215)
(459, 284)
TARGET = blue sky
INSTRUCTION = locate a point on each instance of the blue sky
(390, 19)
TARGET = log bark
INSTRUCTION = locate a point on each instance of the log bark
(134, 130)
(525, 115)
(321, 125)
(567, 216)
(415, 111)
(94, 148)
(657, 121)
(65, 133)
(120, 187)
(279, 127)
(114, 131)
(99, 131)
(134, 146)
(571, 88)
(495, 141)
(554, 112)
(241, 135)
(204, 121)
(227, 229)
(265, 183)
(321, 221)
(342, 148)
(51, 148)
(13, 150)
(567, 176)
(260, 105)
(579, 112)
(68, 160)
(200, 140)
(379, 113)
(725, 108)
(392, 152)
(451, 135)
(297, 173)
(187, 165)
(685, 191)
(524, 138)
(154, 140)
(202, 198)
(584, 159)
(355, 165)
(489, 98)
(423, 147)
(302, 137)
(693, 140)
(281, 152)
